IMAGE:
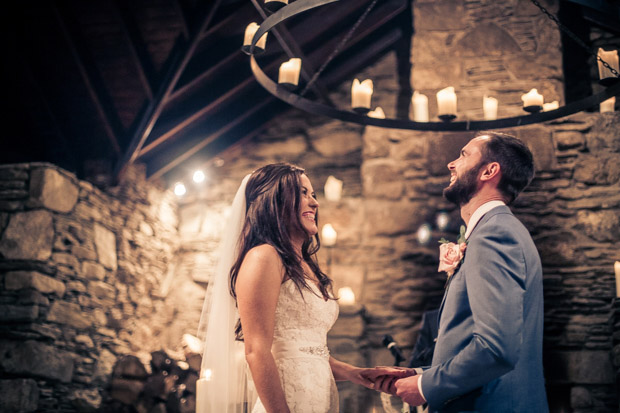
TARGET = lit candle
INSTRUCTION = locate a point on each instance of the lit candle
(424, 234)
(289, 71)
(333, 189)
(202, 389)
(551, 106)
(346, 296)
(329, 235)
(617, 270)
(446, 101)
(361, 93)
(489, 107)
(532, 98)
(420, 107)
(608, 105)
(377, 113)
(442, 220)
(250, 31)
(611, 58)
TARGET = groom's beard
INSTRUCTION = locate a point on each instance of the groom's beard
(462, 190)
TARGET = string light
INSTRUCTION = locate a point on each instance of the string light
(179, 189)
(199, 176)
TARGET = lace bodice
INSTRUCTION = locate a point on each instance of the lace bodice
(300, 351)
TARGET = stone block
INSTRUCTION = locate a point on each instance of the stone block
(18, 313)
(281, 149)
(92, 271)
(71, 314)
(19, 395)
(601, 226)
(580, 367)
(104, 366)
(382, 179)
(33, 358)
(102, 290)
(83, 253)
(393, 218)
(346, 216)
(86, 400)
(599, 169)
(66, 259)
(336, 139)
(126, 391)
(439, 15)
(105, 243)
(580, 398)
(569, 139)
(375, 143)
(17, 280)
(540, 142)
(28, 236)
(53, 190)
(486, 39)
(443, 149)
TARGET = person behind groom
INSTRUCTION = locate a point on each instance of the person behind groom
(488, 355)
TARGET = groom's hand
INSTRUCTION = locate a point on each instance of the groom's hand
(384, 377)
(407, 389)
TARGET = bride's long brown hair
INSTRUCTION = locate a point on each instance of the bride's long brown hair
(273, 196)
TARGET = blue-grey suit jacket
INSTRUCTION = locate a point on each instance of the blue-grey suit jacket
(488, 356)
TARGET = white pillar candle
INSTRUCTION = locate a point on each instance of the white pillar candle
(329, 235)
(446, 101)
(346, 296)
(551, 106)
(289, 71)
(250, 31)
(333, 189)
(361, 93)
(532, 98)
(377, 113)
(489, 107)
(608, 105)
(611, 58)
(420, 107)
(617, 270)
(202, 392)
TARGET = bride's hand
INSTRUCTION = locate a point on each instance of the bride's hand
(376, 377)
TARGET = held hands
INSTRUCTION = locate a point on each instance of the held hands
(397, 381)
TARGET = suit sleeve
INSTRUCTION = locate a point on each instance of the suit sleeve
(495, 288)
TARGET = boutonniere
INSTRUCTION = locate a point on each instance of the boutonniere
(451, 254)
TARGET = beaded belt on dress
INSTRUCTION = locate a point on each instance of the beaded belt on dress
(287, 349)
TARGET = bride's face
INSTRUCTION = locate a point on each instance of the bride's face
(308, 206)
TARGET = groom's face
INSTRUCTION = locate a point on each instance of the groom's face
(464, 173)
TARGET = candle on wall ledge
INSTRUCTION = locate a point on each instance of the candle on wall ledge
(551, 106)
(608, 105)
(333, 189)
(329, 235)
(446, 104)
(377, 113)
(420, 107)
(250, 31)
(289, 72)
(532, 101)
(489, 107)
(617, 270)
(605, 75)
(346, 296)
(361, 94)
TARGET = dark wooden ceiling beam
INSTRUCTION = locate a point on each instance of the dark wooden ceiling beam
(154, 109)
(102, 112)
(374, 22)
(132, 39)
(174, 159)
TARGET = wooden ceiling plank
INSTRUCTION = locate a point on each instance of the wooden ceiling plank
(132, 38)
(156, 106)
(175, 160)
(88, 82)
(238, 89)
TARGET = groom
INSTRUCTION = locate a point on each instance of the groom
(488, 355)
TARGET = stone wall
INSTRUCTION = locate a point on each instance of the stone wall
(85, 278)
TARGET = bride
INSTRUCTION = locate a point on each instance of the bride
(285, 304)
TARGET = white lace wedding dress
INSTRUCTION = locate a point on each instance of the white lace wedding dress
(300, 351)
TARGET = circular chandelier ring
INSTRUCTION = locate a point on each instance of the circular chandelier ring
(307, 105)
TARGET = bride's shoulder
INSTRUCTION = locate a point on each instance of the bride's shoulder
(263, 256)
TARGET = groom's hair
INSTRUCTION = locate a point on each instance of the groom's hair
(515, 159)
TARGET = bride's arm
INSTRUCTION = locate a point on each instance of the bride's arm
(257, 288)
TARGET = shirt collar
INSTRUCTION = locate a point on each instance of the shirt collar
(479, 213)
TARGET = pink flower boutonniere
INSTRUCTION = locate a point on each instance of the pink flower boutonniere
(451, 254)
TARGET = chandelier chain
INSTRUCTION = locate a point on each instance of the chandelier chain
(575, 38)
(338, 48)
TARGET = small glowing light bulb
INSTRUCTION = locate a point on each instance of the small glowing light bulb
(179, 189)
(199, 177)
